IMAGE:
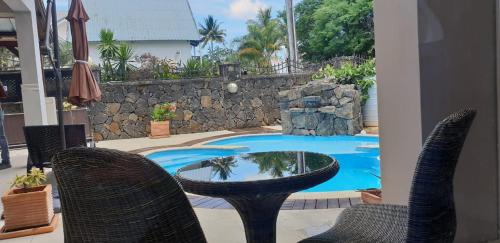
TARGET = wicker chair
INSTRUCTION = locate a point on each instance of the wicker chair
(430, 216)
(112, 196)
(43, 142)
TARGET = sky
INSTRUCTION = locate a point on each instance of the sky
(232, 13)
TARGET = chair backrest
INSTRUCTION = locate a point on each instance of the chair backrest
(113, 196)
(43, 142)
(432, 209)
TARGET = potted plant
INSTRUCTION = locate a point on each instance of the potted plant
(160, 119)
(28, 203)
(373, 196)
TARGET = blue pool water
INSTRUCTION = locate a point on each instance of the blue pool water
(358, 156)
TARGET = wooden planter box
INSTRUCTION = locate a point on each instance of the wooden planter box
(371, 197)
(28, 210)
(14, 124)
(160, 129)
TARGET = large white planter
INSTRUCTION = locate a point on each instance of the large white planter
(370, 109)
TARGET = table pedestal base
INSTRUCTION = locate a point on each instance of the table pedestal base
(259, 214)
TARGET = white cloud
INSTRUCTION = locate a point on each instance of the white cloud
(245, 9)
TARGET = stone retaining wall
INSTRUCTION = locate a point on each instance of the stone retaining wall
(202, 104)
(321, 108)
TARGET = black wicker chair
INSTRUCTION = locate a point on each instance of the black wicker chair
(430, 216)
(43, 142)
(113, 196)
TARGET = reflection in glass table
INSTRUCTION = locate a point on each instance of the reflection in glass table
(257, 184)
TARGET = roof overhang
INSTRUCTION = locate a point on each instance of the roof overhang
(8, 34)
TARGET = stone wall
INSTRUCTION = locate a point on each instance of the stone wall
(321, 108)
(202, 104)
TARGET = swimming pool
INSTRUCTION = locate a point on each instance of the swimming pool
(358, 156)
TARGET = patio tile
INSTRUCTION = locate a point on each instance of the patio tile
(310, 204)
(322, 204)
(27, 239)
(355, 201)
(299, 204)
(344, 203)
(333, 203)
(226, 226)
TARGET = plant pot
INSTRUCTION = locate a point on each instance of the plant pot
(160, 129)
(23, 210)
(371, 196)
(370, 109)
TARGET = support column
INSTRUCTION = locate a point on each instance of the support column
(398, 80)
(35, 112)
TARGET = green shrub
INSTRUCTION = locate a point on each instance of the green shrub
(327, 72)
(359, 75)
(163, 112)
(165, 69)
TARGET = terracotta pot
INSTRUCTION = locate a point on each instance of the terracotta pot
(23, 210)
(160, 129)
(371, 197)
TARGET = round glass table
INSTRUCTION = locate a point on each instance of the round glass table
(257, 184)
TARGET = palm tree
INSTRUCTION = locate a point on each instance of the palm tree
(107, 50)
(223, 167)
(123, 61)
(211, 32)
(274, 163)
(265, 37)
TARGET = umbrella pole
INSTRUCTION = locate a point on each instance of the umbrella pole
(57, 70)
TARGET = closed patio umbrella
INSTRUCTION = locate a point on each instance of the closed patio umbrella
(84, 88)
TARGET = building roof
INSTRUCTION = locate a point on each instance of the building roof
(139, 20)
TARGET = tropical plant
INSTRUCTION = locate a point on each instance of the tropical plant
(34, 178)
(66, 53)
(304, 23)
(329, 28)
(124, 58)
(8, 60)
(282, 19)
(211, 32)
(165, 69)
(152, 67)
(222, 55)
(195, 67)
(163, 112)
(263, 40)
(108, 48)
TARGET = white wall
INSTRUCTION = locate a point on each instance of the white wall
(162, 49)
(458, 69)
(433, 58)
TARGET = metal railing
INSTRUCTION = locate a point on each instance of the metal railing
(13, 81)
(300, 67)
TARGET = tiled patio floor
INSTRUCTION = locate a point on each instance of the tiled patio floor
(289, 204)
(219, 225)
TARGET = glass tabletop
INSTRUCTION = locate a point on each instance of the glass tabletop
(255, 166)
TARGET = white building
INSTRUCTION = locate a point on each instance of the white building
(164, 28)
